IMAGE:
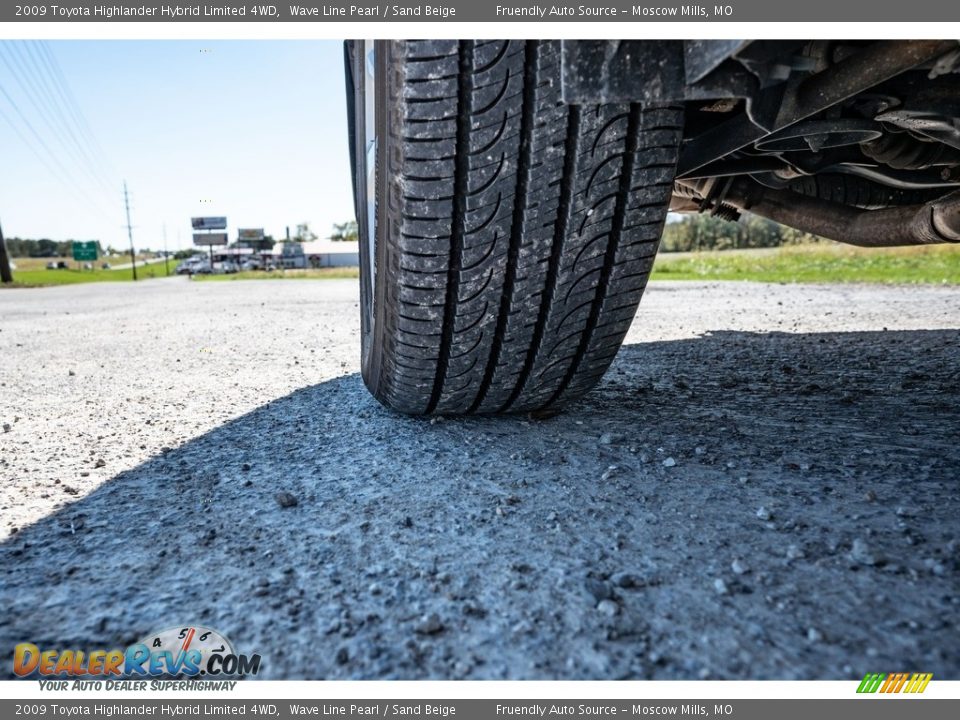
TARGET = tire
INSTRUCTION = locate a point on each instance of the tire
(513, 235)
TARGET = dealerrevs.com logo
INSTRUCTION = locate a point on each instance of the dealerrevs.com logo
(887, 683)
(188, 651)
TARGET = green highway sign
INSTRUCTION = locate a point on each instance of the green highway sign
(83, 251)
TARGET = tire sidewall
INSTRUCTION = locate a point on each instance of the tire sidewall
(371, 285)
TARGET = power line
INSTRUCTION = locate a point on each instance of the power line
(78, 113)
(66, 177)
(31, 86)
(76, 121)
(52, 131)
(27, 143)
(38, 92)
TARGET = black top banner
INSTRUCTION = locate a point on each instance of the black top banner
(624, 11)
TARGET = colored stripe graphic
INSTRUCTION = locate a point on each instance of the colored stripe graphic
(900, 681)
(894, 683)
(870, 682)
(918, 682)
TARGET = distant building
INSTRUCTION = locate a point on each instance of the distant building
(327, 253)
(290, 255)
(295, 255)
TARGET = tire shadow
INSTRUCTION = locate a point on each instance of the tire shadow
(739, 505)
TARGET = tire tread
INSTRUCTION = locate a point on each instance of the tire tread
(520, 231)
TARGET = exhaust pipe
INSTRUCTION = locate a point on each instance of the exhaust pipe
(934, 222)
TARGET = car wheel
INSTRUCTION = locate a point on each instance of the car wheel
(505, 237)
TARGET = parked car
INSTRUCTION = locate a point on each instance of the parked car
(51, 266)
(511, 194)
(189, 266)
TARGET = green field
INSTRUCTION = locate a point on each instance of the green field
(332, 273)
(41, 277)
(821, 263)
(40, 263)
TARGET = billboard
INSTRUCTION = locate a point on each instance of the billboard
(250, 234)
(209, 223)
(209, 238)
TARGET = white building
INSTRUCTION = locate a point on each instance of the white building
(329, 253)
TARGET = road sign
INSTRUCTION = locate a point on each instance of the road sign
(250, 234)
(85, 251)
(209, 238)
(209, 223)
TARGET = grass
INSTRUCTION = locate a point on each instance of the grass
(331, 273)
(29, 263)
(43, 277)
(822, 263)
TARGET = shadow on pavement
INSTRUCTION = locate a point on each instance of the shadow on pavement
(734, 506)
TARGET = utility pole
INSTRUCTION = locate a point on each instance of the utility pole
(5, 274)
(133, 255)
(166, 255)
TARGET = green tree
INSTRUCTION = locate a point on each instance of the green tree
(703, 232)
(304, 233)
(46, 248)
(345, 231)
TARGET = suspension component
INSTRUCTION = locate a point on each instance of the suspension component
(860, 192)
(902, 151)
(933, 222)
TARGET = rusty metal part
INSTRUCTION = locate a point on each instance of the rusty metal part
(930, 223)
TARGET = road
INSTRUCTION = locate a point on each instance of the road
(141, 263)
(765, 485)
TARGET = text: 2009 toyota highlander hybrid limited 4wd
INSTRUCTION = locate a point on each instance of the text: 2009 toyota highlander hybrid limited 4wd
(511, 195)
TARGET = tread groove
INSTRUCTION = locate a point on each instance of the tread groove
(459, 220)
(564, 213)
(619, 214)
(516, 225)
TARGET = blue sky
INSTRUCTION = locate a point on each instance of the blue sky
(254, 130)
